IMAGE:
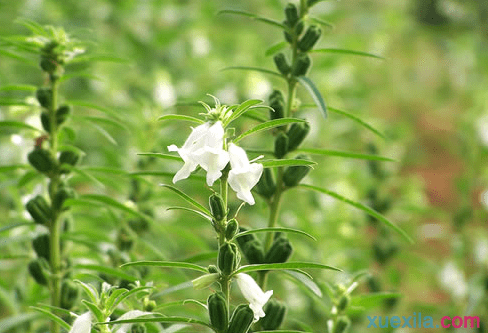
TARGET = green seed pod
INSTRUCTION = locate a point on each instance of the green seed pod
(212, 269)
(281, 63)
(231, 229)
(281, 145)
(46, 122)
(275, 313)
(68, 157)
(228, 258)
(242, 240)
(294, 174)
(291, 13)
(309, 39)
(138, 328)
(217, 311)
(61, 195)
(342, 324)
(277, 102)
(217, 208)
(42, 160)
(279, 252)
(299, 28)
(42, 247)
(44, 96)
(62, 114)
(48, 65)
(124, 240)
(39, 209)
(343, 303)
(296, 135)
(70, 293)
(254, 252)
(37, 272)
(288, 36)
(302, 65)
(242, 319)
(148, 305)
(266, 185)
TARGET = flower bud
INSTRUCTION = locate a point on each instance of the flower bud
(253, 251)
(37, 272)
(231, 229)
(342, 324)
(39, 209)
(291, 13)
(309, 39)
(302, 64)
(48, 65)
(217, 311)
(266, 185)
(281, 145)
(42, 160)
(279, 252)
(242, 319)
(296, 135)
(275, 313)
(70, 292)
(61, 195)
(228, 258)
(44, 96)
(212, 269)
(148, 304)
(205, 281)
(281, 63)
(138, 328)
(217, 207)
(46, 122)
(294, 174)
(42, 247)
(278, 109)
(62, 114)
(343, 303)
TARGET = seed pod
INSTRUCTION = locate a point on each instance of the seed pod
(42, 160)
(281, 145)
(342, 324)
(42, 247)
(299, 28)
(62, 114)
(69, 157)
(217, 311)
(254, 252)
(70, 292)
(281, 63)
(44, 96)
(37, 272)
(266, 185)
(291, 13)
(242, 240)
(46, 122)
(288, 36)
(294, 174)
(39, 209)
(228, 258)
(279, 252)
(148, 305)
(343, 303)
(231, 229)
(48, 65)
(212, 269)
(296, 135)
(275, 313)
(302, 65)
(124, 240)
(217, 208)
(242, 319)
(138, 328)
(309, 39)
(277, 102)
(61, 195)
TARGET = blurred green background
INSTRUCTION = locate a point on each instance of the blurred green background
(428, 96)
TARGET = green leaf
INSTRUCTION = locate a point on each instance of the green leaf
(253, 16)
(268, 125)
(93, 309)
(361, 207)
(164, 156)
(281, 266)
(86, 175)
(94, 107)
(52, 316)
(181, 118)
(358, 120)
(184, 265)
(105, 134)
(241, 109)
(13, 102)
(19, 87)
(314, 92)
(7, 168)
(104, 121)
(32, 25)
(159, 320)
(322, 22)
(188, 199)
(126, 295)
(349, 52)
(89, 290)
(15, 225)
(275, 229)
(372, 300)
(99, 57)
(285, 162)
(17, 57)
(283, 331)
(18, 124)
(80, 75)
(9, 323)
(327, 152)
(306, 281)
(205, 216)
(275, 48)
(107, 270)
(253, 69)
(28, 177)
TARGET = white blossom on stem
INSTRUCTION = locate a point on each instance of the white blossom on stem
(243, 175)
(82, 324)
(253, 294)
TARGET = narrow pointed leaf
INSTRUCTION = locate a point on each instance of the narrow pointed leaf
(28, 177)
(184, 265)
(105, 134)
(372, 300)
(327, 152)
(268, 125)
(17, 57)
(188, 199)
(7, 324)
(205, 216)
(358, 120)
(89, 290)
(85, 174)
(362, 207)
(107, 270)
(324, 23)
(254, 17)
(275, 229)
(7, 168)
(281, 266)
(349, 52)
(241, 109)
(93, 309)
(275, 48)
(159, 320)
(181, 118)
(306, 281)
(19, 87)
(103, 121)
(52, 317)
(164, 156)
(15, 225)
(128, 294)
(253, 69)
(314, 92)
(18, 124)
(286, 162)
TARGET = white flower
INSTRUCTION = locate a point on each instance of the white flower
(243, 175)
(203, 147)
(253, 294)
(82, 324)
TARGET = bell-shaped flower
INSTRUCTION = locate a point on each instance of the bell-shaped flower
(243, 175)
(253, 294)
(203, 147)
(82, 324)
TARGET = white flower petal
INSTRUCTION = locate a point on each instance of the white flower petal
(82, 324)
(253, 294)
